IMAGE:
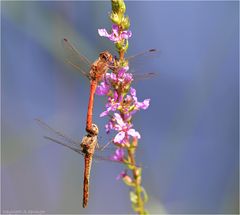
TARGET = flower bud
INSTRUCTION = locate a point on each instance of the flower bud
(115, 5)
(115, 18)
(139, 180)
(122, 7)
(125, 48)
(119, 45)
(127, 180)
(118, 6)
(126, 89)
(125, 23)
(133, 197)
(138, 171)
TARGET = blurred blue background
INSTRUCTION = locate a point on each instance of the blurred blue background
(189, 146)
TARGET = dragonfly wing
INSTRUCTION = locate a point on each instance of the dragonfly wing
(144, 76)
(147, 52)
(57, 134)
(64, 144)
(75, 59)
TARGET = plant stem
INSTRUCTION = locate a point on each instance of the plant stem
(137, 181)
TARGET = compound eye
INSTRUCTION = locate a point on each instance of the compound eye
(104, 56)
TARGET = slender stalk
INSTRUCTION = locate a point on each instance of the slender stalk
(136, 171)
(137, 182)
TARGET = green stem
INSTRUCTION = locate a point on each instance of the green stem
(137, 181)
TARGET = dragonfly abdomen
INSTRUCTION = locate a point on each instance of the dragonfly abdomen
(87, 170)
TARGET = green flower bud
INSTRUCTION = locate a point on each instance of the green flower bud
(126, 88)
(125, 23)
(125, 48)
(115, 18)
(133, 197)
(115, 5)
(128, 181)
(124, 63)
(122, 7)
(118, 6)
(119, 45)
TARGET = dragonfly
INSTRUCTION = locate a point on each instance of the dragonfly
(86, 148)
(97, 69)
(96, 72)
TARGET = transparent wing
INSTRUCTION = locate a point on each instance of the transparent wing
(61, 139)
(144, 76)
(140, 61)
(75, 59)
(57, 134)
(73, 147)
(147, 52)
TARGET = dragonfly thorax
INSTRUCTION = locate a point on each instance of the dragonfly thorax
(88, 144)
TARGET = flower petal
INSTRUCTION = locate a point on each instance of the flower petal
(103, 32)
(104, 113)
(102, 89)
(115, 28)
(126, 34)
(108, 127)
(121, 175)
(133, 91)
(113, 77)
(143, 105)
(134, 133)
(119, 119)
(119, 154)
(119, 137)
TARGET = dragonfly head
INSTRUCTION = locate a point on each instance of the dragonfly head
(106, 56)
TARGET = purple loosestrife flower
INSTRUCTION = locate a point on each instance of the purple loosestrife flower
(124, 130)
(112, 79)
(112, 105)
(139, 105)
(109, 126)
(121, 175)
(102, 89)
(119, 155)
(123, 76)
(115, 36)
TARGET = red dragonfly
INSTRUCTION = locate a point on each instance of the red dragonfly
(97, 69)
(86, 148)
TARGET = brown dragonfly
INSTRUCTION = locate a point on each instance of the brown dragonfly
(97, 70)
(86, 148)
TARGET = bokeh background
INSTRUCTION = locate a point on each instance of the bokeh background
(189, 146)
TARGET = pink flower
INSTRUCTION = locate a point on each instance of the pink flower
(109, 126)
(121, 175)
(122, 70)
(124, 130)
(112, 105)
(139, 105)
(115, 36)
(102, 89)
(143, 105)
(119, 155)
(123, 76)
